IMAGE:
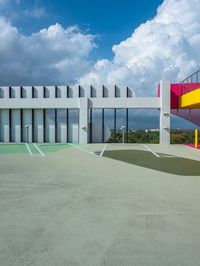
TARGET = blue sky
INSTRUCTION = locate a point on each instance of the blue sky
(124, 43)
(111, 21)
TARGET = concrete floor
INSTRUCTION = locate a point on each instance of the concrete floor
(73, 208)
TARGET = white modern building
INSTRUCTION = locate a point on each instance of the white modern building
(64, 113)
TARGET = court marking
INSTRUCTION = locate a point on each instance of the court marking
(103, 150)
(84, 150)
(42, 154)
(29, 150)
(150, 150)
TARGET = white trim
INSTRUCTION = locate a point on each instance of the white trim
(153, 152)
(42, 154)
(29, 150)
(103, 150)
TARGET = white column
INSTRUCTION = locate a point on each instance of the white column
(5, 132)
(5, 92)
(39, 91)
(123, 92)
(111, 92)
(99, 91)
(165, 112)
(15, 91)
(62, 91)
(75, 90)
(83, 120)
(51, 91)
(27, 92)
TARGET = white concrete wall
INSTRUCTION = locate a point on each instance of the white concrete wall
(111, 92)
(4, 92)
(123, 92)
(27, 92)
(99, 91)
(67, 97)
(38, 92)
(87, 91)
(62, 91)
(75, 91)
(50, 91)
(83, 120)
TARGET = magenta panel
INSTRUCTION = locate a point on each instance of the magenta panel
(177, 90)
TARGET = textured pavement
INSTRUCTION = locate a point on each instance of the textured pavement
(74, 208)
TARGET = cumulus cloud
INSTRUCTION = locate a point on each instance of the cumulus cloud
(51, 56)
(166, 47)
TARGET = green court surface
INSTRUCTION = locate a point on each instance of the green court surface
(22, 148)
(164, 163)
(47, 148)
(33, 148)
(12, 148)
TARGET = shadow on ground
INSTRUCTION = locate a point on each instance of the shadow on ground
(167, 164)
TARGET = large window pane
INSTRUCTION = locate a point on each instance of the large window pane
(73, 125)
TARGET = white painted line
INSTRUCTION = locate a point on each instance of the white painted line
(103, 150)
(29, 150)
(42, 154)
(153, 152)
(81, 149)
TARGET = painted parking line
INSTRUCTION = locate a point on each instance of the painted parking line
(29, 150)
(153, 152)
(32, 152)
(84, 150)
(103, 150)
(42, 154)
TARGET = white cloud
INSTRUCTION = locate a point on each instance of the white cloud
(165, 47)
(51, 56)
(36, 12)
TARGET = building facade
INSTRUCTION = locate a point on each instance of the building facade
(61, 114)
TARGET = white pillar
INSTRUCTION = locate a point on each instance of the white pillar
(165, 112)
(83, 120)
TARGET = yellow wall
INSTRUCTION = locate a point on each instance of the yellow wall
(190, 100)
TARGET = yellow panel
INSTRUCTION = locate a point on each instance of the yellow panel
(190, 100)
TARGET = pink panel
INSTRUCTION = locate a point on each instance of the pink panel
(177, 90)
